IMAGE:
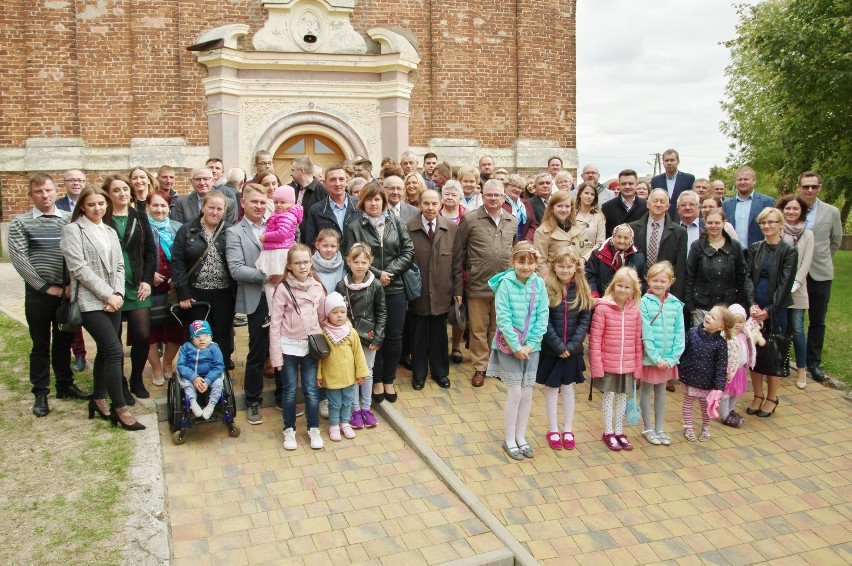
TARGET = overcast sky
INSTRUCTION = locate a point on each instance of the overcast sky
(650, 76)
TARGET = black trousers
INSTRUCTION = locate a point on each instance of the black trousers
(105, 329)
(258, 349)
(51, 346)
(221, 317)
(429, 346)
(387, 357)
(819, 293)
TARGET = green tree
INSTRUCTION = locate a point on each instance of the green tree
(789, 93)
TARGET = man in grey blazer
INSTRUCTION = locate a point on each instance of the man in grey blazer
(395, 188)
(242, 251)
(824, 221)
(188, 207)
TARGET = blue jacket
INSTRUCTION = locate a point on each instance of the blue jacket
(578, 327)
(211, 364)
(511, 304)
(662, 329)
(758, 203)
(704, 363)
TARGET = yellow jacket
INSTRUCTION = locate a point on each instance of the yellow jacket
(345, 363)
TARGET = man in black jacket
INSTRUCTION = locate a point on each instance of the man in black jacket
(333, 212)
(626, 207)
(309, 190)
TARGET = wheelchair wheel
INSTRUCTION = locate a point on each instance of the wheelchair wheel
(233, 431)
(230, 399)
(174, 404)
(178, 437)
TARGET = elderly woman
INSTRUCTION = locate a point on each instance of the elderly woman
(393, 254)
(794, 232)
(140, 258)
(616, 252)
(520, 208)
(558, 228)
(143, 184)
(94, 259)
(468, 177)
(589, 219)
(414, 185)
(715, 269)
(563, 181)
(169, 332)
(200, 270)
(771, 272)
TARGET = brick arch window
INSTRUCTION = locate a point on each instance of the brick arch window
(322, 150)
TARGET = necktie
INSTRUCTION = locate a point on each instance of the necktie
(431, 233)
(653, 244)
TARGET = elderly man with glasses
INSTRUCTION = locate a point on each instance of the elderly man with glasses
(188, 207)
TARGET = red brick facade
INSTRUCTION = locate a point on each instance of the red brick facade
(112, 70)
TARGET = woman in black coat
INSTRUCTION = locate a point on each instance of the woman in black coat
(140, 259)
(393, 254)
(771, 268)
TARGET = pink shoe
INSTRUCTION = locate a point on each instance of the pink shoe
(357, 420)
(554, 440)
(334, 433)
(611, 442)
(568, 442)
(347, 430)
(622, 440)
(369, 418)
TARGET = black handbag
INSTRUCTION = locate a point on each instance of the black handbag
(161, 309)
(68, 315)
(413, 283)
(773, 358)
(365, 329)
(318, 348)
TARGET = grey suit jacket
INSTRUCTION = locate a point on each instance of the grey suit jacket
(186, 209)
(407, 212)
(828, 233)
(98, 270)
(241, 251)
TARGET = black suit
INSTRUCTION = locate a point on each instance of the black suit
(683, 182)
(615, 212)
(538, 205)
(322, 216)
(672, 248)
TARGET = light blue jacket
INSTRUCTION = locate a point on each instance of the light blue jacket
(662, 329)
(511, 304)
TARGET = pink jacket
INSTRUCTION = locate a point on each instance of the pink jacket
(290, 322)
(615, 340)
(281, 228)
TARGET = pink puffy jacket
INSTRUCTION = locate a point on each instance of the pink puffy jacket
(615, 340)
(281, 228)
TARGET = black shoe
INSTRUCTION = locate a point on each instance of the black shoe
(391, 397)
(456, 356)
(80, 364)
(443, 381)
(231, 364)
(72, 392)
(40, 408)
(764, 414)
(418, 384)
(816, 373)
(378, 397)
(405, 362)
(128, 397)
(138, 388)
(240, 320)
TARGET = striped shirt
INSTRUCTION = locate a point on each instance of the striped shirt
(34, 247)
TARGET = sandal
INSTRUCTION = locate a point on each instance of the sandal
(456, 356)
(526, 450)
(750, 411)
(689, 433)
(513, 452)
(705, 435)
(762, 413)
(554, 440)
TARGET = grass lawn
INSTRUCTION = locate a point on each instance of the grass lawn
(837, 351)
(62, 477)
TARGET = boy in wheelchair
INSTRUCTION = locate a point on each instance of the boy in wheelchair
(200, 367)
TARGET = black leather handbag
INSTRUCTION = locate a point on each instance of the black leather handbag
(773, 358)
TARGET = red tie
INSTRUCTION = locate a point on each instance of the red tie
(431, 233)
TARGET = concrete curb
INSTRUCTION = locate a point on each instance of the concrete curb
(521, 555)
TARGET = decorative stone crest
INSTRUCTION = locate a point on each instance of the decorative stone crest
(313, 26)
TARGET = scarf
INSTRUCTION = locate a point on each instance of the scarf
(337, 333)
(301, 285)
(379, 224)
(327, 265)
(166, 238)
(518, 210)
(613, 257)
(792, 232)
(368, 280)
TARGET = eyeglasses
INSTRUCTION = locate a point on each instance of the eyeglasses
(202, 178)
(810, 187)
(75, 180)
(264, 163)
(301, 263)
(769, 223)
(493, 195)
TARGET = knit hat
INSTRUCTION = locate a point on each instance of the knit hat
(737, 309)
(199, 327)
(332, 301)
(284, 193)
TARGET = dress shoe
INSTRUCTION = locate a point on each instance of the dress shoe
(418, 384)
(72, 392)
(79, 364)
(123, 417)
(816, 373)
(138, 388)
(670, 385)
(478, 379)
(40, 408)
(405, 362)
(128, 397)
(456, 356)
(443, 381)
(231, 364)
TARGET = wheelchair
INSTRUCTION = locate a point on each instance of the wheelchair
(179, 413)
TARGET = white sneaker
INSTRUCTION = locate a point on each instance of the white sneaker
(195, 408)
(323, 408)
(289, 439)
(316, 438)
(208, 410)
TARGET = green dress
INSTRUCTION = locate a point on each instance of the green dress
(131, 300)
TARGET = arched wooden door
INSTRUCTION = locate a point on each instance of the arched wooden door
(322, 151)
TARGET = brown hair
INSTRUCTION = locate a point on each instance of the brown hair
(557, 292)
(782, 202)
(87, 191)
(548, 219)
(327, 233)
(369, 191)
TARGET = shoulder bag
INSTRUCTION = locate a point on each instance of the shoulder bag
(412, 282)
(68, 315)
(500, 339)
(773, 358)
(366, 330)
(632, 413)
(318, 347)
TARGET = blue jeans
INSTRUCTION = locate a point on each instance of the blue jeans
(340, 405)
(796, 329)
(293, 366)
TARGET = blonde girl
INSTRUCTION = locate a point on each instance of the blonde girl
(561, 364)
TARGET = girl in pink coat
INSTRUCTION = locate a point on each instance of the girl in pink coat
(278, 237)
(615, 351)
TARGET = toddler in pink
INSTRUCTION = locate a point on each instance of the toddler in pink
(279, 236)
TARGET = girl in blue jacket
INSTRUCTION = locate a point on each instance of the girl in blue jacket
(561, 364)
(663, 341)
(200, 367)
(520, 304)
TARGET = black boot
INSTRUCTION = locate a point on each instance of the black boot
(137, 387)
(128, 398)
(40, 408)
